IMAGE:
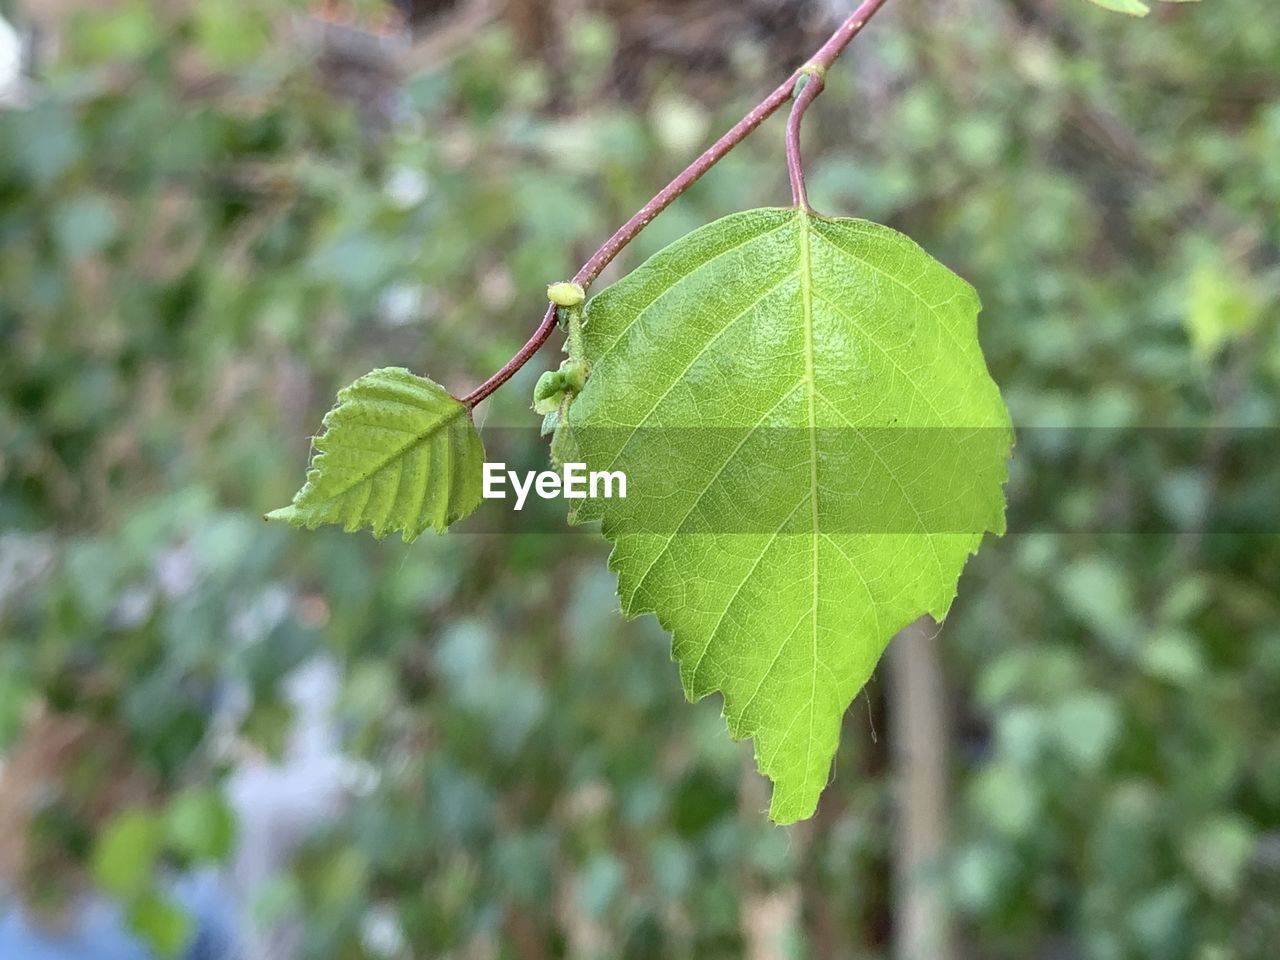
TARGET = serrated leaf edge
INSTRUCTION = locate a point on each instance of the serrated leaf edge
(634, 608)
(439, 524)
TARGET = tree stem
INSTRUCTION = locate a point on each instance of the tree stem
(813, 70)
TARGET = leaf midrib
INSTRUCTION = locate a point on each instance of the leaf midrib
(811, 388)
(400, 453)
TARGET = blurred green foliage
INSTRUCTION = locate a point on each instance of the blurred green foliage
(201, 239)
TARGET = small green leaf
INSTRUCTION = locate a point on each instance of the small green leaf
(125, 854)
(1218, 853)
(200, 825)
(1223, 305)
(813, 448)
(398, 453)
(164, 926)
(1135, 8)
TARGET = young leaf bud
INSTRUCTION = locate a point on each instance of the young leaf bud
(566, 294)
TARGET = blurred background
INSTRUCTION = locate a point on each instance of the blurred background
(222, 739)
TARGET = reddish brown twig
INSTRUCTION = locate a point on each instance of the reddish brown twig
(814, 71)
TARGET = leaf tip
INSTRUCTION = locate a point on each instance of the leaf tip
(287, 514)
(784, 810)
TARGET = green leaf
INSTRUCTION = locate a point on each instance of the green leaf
(1223, 305)
(201, 825)
(164, 926)
(1218, 853)
(1135, 8)
(398, 453)
(813, 447)
(125, 854)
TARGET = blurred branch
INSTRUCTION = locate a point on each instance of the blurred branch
(447, 39)
(919, 736)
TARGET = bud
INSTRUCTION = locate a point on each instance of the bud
(575, 375)
(548, 392)
(566, 294)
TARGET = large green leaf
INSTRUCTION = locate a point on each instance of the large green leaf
(397, 453)
(813, 448)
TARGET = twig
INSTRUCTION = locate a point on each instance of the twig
(814, 70)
